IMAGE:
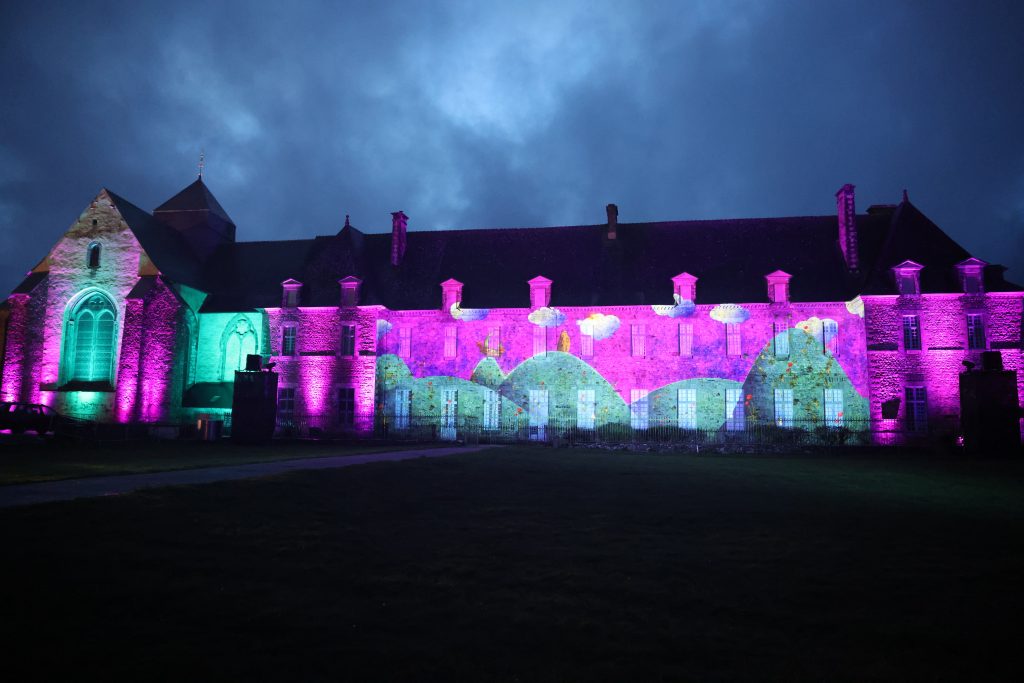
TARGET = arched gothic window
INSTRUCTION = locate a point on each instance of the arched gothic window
(93, 255)
(238, 341)
(89, 352)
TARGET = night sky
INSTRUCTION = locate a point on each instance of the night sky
(473, 114)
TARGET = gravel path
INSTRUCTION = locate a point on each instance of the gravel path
(93, 487)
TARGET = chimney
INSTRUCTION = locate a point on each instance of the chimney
(399, 221)
(847, 213)
(613, 220)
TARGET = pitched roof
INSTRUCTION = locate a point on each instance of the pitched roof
(195, 197)
(164, 245)
(730, 258)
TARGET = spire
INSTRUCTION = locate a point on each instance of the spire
(202, 163)
(905, 197)
(347, 224)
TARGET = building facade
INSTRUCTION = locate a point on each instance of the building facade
(860, 321)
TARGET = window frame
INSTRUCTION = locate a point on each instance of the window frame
(348, 340)
(911, 332)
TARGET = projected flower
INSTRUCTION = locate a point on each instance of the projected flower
(856, 307)
(383, 327)
(598, 325)
(468, 314)
(729, 313)
(547, 317)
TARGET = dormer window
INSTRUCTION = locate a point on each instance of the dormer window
(93, 255)
(908, 278)
(290, 293)
(451, 294)
(971, 274)
(350, 291)
(540, 292)
(778, 287)
(684, 287)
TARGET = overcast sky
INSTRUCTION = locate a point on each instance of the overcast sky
(488, 114)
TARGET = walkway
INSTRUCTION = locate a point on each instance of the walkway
(93, 487)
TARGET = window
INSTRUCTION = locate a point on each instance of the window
(540, 341)
(93, 255)
(784, 407)
(734, 418)
(494, 340)
(917, 409)
(586, 341)
(975, 331)
(90, 340)
(733, 341)
(237, 342)
(449, 414)
(346, 406)
(288, 341)
(908, 283)
(538, 414)
(404, 342)
(639, 339)
(833, 407)
(638, 409)
(403, 407)
(291, 297)
(911, 333)
(685, 339)
(687, 408)
(586, 408)
(830, 337)
(451, 338)
(781, 330)
(285, 404)
(348, 340)
(492, 409)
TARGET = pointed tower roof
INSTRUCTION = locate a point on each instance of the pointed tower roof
(195, 197)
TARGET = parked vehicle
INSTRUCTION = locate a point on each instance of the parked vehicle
(32, 417)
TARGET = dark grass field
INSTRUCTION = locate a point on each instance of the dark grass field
(28, 459)
(531, 565)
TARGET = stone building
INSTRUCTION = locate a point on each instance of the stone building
(847, 320)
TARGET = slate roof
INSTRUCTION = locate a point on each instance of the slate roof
(195, 197)
(729, 257)
(166, 247)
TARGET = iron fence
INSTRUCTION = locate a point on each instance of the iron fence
(519, 429)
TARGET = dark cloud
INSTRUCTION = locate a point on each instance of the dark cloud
(468, 115)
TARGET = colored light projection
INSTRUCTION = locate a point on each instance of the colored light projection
(808, 367)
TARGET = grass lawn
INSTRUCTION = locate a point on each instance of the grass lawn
(26, 459)
(531, 565)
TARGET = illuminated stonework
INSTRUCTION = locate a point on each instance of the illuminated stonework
(660, 324)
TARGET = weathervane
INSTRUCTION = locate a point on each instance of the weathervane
(202, 162)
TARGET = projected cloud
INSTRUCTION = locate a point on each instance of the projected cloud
(383, 327)
(814, 325)
(683, 308)
(856, 307)
(547, 317)
(468, 314)
(729, 313)
(598, 325)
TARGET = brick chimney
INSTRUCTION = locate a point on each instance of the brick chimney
(847, 213)
(399, 221)
(613, 220)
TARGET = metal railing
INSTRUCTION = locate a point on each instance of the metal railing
(518, 429)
